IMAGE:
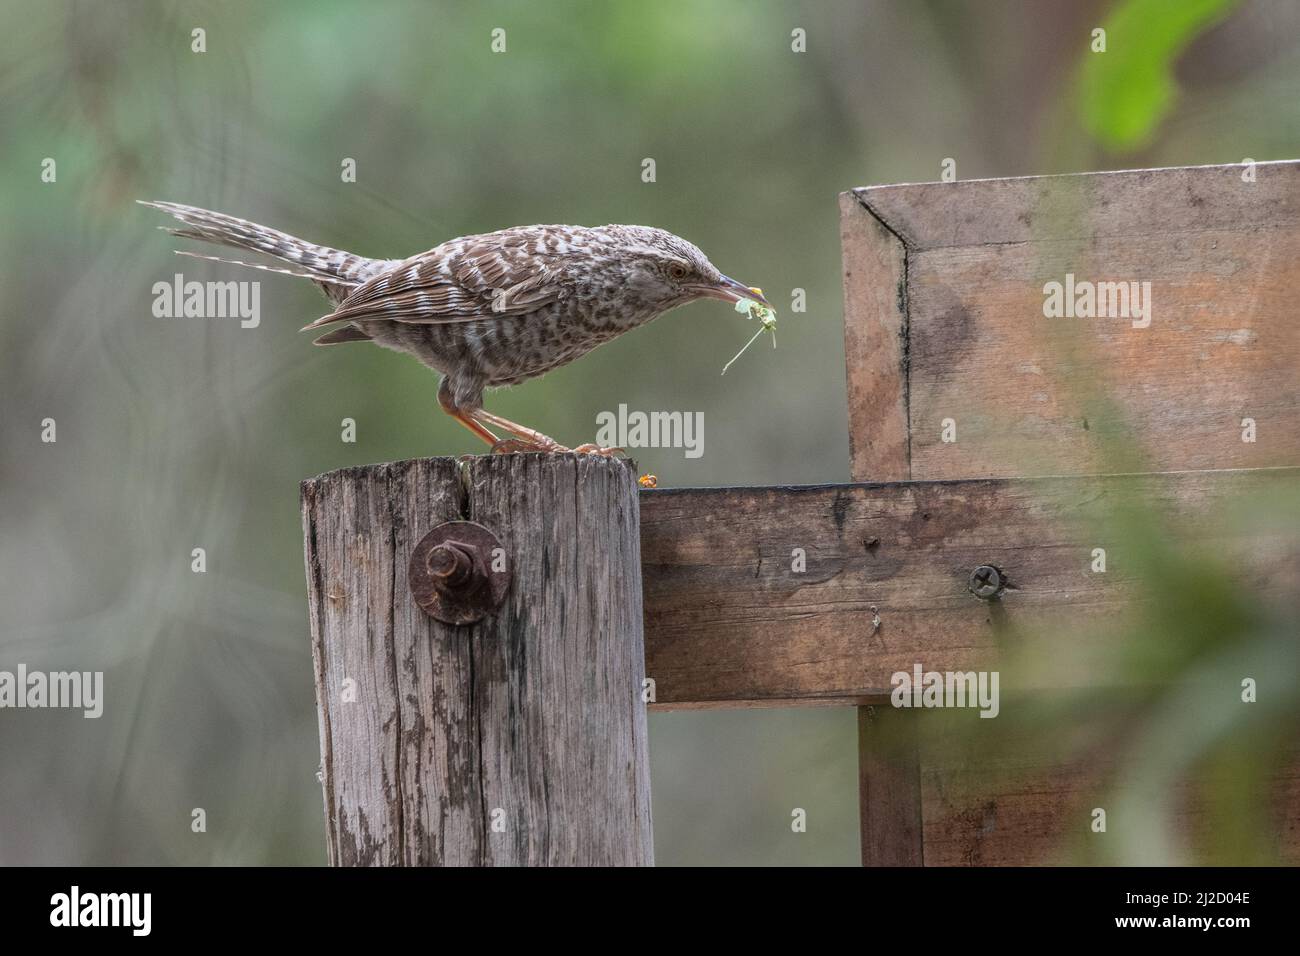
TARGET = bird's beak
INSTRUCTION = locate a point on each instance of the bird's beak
(729, 290)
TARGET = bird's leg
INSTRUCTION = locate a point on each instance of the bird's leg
(531, 440)
(476, 428)
(528, 438)
(465, 418)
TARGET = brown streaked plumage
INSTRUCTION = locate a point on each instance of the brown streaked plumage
(487, 310)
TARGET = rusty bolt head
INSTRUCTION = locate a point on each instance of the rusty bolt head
(986, 582)
(457, 572)
(451, 565)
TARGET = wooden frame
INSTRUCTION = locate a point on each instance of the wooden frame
(945, 288)
(985, 432)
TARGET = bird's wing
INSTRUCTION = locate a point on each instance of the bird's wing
(481, 277)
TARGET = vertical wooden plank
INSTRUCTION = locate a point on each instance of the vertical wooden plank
(519, 740)
(889, 781)
(876, 354)
(875, 344)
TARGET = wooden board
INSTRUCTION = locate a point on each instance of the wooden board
(889, 787)
(875, 338)
(728, 622)
(1027, 394)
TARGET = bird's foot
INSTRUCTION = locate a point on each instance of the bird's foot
(527, 439)
(590, 449)
(512, 445)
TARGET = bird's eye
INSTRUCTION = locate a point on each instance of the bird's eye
(678, 271)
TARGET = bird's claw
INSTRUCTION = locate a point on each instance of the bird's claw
(509, 446)
(591, 449)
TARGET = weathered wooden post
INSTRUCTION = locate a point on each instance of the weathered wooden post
(516, 740)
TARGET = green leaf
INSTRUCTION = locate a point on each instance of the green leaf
(1125, 92)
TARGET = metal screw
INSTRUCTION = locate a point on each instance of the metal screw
(453, 575)
(986, 582)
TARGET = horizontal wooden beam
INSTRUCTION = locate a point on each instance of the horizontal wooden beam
(1154, 203)
(732, 621)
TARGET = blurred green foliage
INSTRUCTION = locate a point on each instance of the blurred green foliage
(1125, 92)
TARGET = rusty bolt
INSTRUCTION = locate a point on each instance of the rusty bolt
(457, 572)
(451, 565)
(986, 582)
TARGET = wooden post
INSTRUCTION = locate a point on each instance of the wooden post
(519, 740)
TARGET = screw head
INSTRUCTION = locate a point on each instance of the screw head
(985, 582)
(452, 573)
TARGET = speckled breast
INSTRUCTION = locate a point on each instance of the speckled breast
(502, 351)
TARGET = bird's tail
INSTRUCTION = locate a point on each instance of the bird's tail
(335, 271)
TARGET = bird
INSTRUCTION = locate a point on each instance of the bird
(488, 310)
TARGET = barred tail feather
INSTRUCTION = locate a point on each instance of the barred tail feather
(335, 270)
(300, 273)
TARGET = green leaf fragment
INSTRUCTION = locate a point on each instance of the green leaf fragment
(1125, 93)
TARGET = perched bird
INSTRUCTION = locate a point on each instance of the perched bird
(488, 310)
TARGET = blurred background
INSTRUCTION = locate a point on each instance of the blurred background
(176, 434)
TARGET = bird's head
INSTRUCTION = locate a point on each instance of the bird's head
(669, 271)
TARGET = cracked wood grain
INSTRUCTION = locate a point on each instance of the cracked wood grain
(520, 740)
